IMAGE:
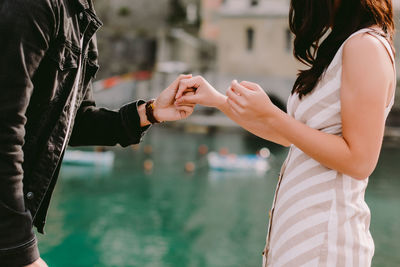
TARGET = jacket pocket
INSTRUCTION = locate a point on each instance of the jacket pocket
(65, 55)
(15, 228)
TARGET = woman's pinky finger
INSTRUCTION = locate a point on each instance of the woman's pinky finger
(238, 99)
(235, 107)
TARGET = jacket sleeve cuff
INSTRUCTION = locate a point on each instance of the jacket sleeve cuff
(20, 256)
(131, 123)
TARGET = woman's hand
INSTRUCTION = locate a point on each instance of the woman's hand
(249, 101)
(245, 104)
(205, 94)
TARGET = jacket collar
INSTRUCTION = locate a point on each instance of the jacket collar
(83, 4)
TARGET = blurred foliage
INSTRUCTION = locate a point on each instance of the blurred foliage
(177, 12)
(124, 11)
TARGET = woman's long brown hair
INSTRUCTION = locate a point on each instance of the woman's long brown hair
(310, 20)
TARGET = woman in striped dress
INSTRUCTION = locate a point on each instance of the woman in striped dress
(334, 128)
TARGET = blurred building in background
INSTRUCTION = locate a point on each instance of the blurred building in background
(139, 33)
(219, 39)
(255, 39)
(252, 42)
(127, 40)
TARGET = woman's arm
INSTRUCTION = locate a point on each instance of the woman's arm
(206, 95)
(367, 76)
(255, 126)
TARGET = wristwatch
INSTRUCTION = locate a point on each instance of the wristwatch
(150, 112)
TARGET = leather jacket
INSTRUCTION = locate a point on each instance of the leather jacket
(48, 57)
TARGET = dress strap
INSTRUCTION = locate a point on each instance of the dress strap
(382, 38)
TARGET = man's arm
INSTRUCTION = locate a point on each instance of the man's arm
(99, 126)
(26, 28)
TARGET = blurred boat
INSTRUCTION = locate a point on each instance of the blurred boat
(232, 162)
(89, 158)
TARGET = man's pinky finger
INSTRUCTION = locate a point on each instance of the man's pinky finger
(185, 108)
(187, 100)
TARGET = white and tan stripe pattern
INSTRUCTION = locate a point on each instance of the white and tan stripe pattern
(319, 216)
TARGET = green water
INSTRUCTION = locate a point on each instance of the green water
(126, 217)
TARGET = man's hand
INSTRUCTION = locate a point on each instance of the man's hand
(164, 107)
(205, 94)
(38, 263)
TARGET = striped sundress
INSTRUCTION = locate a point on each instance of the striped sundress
(319, 216)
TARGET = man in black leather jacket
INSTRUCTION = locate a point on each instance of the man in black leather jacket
(47, 62)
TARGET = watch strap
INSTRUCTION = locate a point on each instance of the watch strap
(150, 112)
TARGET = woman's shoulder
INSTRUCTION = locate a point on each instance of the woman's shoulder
(367, 64)
(368, 51)
(367, 44)
(364, 41)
